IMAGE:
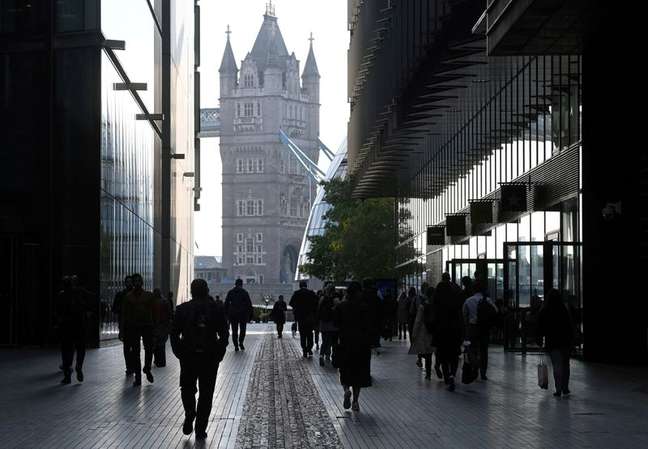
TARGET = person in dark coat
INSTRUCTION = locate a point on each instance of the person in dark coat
(371, 298)
(198, 339)
(139, 318)
(325, 317)
(448, 327)
(356, 323)
(117, 310)
(304, 303)
(165, 317)
(239, 311)
(556, 326)
(390, 310)
(403, 314)
(278, 315)
(73, 309)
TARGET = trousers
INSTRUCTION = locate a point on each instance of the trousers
(133, 337)
(198, 374)
(238, 331)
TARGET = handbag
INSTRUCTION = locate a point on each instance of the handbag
(468, 370)
(543, 374)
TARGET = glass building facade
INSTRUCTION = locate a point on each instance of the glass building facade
(476, 117)
(78, 134)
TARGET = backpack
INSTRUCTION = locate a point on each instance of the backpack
(486, 314)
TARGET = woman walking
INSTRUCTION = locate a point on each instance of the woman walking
(421, 337)
(327, 327)
(555, 324)
(403, 315)
(355, 321)
(278, 314)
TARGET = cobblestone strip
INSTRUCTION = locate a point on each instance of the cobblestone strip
(283, 409)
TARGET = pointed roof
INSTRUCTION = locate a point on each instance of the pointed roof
(269, 47)
(228, 65)
(310, 69)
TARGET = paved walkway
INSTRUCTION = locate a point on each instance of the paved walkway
(269, 397)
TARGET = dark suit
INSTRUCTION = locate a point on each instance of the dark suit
(238, 308)
(304, 303)
(198, 339)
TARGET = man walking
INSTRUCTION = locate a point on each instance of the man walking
(117, 310)
(198, 339)
(304, 303)
(165, 317)
(139, 318)
(238, 309)
(479, 312)
(73, 309)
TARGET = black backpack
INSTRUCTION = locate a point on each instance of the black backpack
(203, 336)
(486, 314)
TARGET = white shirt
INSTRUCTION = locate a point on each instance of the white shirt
(470, 307)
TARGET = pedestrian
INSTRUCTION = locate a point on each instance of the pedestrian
(198, 339)
(556, 325)
(73, 310)
(421, 337)
(390, 311)
(448, 328)
(403, 314)
(218, 301)
(161, 334)
(416, 300)
(325, 316)
(316, 329)
(139, 318)
(355, 320)
(239, 311)
(371, 298)
(479, 314)
(117, 310)
(304, 304)
(278, 315)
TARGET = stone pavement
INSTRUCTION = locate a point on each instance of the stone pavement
(269, 397)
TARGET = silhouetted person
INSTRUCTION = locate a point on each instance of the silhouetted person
(557, 327)
(139, 318)
(198, 338)
(73, 309)
(479, 312)
(390, 310)
(117, 310)
(403, 314)
(238, 308)
(370, 296)
(304, 303)
(355, 320)
(219, 301)
(327, 326)
(448, 328)
(278, 315)
(165, 317)
(421, 337)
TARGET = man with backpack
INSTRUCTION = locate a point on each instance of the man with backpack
(480, 314)
(198, 338)
(238, 307)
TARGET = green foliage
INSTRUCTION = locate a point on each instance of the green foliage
(359, 238)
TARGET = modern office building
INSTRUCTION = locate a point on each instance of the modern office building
(501, 129)
(317, 218)
(96, 107)
(267, 193)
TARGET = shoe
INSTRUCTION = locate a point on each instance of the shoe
(187, 426)
(484, 378)
(67, 378)
(419, 363)
(566, 392)
(347, 400)
(355, 407)
(201, 435)
(129, 373)
(322, 361)
(451, 384)
(310, 354)
(242, 347)
(557, 394)
(438, 372)
(79, 374)
(138, 380)
(149, 375)
(328, 358)
(428, 376)
(305, 354)
(236, 348)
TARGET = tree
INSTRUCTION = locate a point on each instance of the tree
(359, 239)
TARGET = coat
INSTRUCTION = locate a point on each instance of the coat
(199, 328)
(403, 308)
(278, 314)
(238, 305)
(448, 306)
(555, 324)
(355, 320)
(304, 303)
(422, 340)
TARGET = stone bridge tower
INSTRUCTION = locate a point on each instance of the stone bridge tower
(267, 194)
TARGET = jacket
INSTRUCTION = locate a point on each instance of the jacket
(278, 314)
(139, 309)
(238, 305)
(199, 327)
(304, 303)
(555, 324)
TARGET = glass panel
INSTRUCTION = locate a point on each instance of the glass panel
(524, 229)
(524, 275)
(552, 223)
(76, 15)
(537, 271)
(537, 227)
(500, 236)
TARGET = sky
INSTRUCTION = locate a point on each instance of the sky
(327, 20)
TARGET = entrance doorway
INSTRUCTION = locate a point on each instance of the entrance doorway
(531, 269)
(492, 270)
